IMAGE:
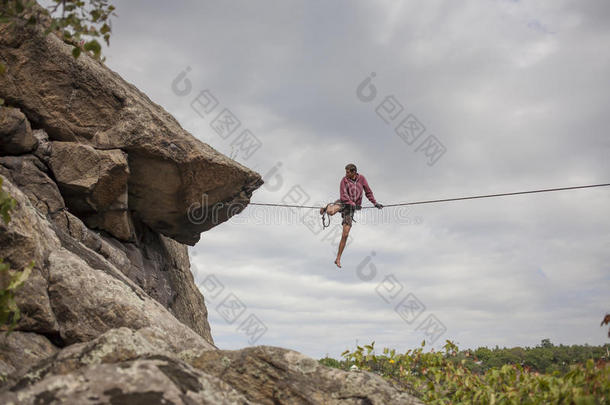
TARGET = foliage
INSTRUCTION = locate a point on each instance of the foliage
(9, 280)
(7, 203)
(606, 321)
(79, 23)
(330, 362)
(443, 378)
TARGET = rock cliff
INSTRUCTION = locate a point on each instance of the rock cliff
(103, 180)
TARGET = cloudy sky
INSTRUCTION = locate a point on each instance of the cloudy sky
(515, 93)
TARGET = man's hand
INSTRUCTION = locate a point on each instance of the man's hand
(378, 206)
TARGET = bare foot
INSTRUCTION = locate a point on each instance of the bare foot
(338, 263)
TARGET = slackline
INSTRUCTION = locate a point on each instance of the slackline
(449, 199)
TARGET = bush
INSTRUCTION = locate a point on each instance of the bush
(10, 280)
(442, 378)
(330, 362)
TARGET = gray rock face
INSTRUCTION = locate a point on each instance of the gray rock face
(114, 346)
(74, 294)
(159, 265)
(19, 351)
(170, 172)
(161, 380)
(15, 132)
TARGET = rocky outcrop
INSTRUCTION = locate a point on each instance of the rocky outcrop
(158, 265)
(105, 184)
(272, 375)
(74, 294)
(122, 365)
(113, 172)
(83, 102)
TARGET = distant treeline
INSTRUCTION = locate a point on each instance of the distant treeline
(544, 358)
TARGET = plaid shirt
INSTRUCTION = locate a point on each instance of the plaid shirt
(350, 191)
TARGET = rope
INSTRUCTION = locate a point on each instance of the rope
(284, 205)
(451, 199)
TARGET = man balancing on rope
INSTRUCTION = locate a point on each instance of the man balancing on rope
(350, 200)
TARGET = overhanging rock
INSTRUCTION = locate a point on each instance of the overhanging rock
(84, 102)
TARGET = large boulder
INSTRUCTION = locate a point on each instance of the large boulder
(114, 346)
(171, 173)
(272, 375)
(156, 381)
(32, 177)
(94, 185)
(21, 350)
(15, 133)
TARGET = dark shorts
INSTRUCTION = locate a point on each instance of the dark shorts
(347, 213)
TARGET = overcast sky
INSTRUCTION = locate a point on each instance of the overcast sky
(515, 93)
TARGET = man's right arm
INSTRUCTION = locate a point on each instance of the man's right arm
(343, 194)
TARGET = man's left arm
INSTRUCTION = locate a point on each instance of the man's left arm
(367, 191)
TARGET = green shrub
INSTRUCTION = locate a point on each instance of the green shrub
(10, 280)
(7, 203)
(330, 362)
(442, 378)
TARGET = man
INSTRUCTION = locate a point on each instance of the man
(350, 200)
